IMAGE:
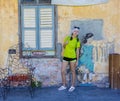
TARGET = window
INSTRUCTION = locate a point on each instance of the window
(37, 30)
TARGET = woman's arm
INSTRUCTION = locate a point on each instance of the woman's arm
(66, 41)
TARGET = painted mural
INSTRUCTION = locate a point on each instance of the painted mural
(93, 71)
(93, 63)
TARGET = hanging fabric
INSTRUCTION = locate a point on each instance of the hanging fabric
(78, 2)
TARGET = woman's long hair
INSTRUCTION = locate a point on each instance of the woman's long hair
(76, 37)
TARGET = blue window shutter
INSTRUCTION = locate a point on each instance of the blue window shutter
(37, 25)
(46, 27)
(29, 26)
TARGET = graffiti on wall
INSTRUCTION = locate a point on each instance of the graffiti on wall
(95, 68)
(93, 62)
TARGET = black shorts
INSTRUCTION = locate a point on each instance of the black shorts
(69, 59)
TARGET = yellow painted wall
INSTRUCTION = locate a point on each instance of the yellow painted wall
(8, 27)
(109, 12)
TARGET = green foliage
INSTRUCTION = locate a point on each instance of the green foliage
(36, 84)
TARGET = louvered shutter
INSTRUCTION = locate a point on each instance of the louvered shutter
(46, 27)
(29, 27)
(38, 28)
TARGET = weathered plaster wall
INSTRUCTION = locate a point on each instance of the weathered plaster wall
(108, 12)
(47, 69)
(8, 27)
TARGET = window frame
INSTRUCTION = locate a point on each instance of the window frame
(28, 50)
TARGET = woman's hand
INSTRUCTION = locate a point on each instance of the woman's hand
(64, 45)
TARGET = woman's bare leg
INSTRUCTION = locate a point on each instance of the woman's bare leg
(63, 72)
(72, 67)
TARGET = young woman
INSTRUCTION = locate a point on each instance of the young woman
(70, 55)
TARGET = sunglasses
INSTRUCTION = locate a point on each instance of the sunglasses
(77, 27)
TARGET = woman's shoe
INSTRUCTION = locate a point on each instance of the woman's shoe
(71, 89)
(62, 88)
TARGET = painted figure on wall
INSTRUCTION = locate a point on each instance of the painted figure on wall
(86, 65)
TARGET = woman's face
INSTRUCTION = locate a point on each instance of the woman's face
(75, 33)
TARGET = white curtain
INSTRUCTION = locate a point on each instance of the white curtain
(78, 2)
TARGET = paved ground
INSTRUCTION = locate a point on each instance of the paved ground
(52, 94)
